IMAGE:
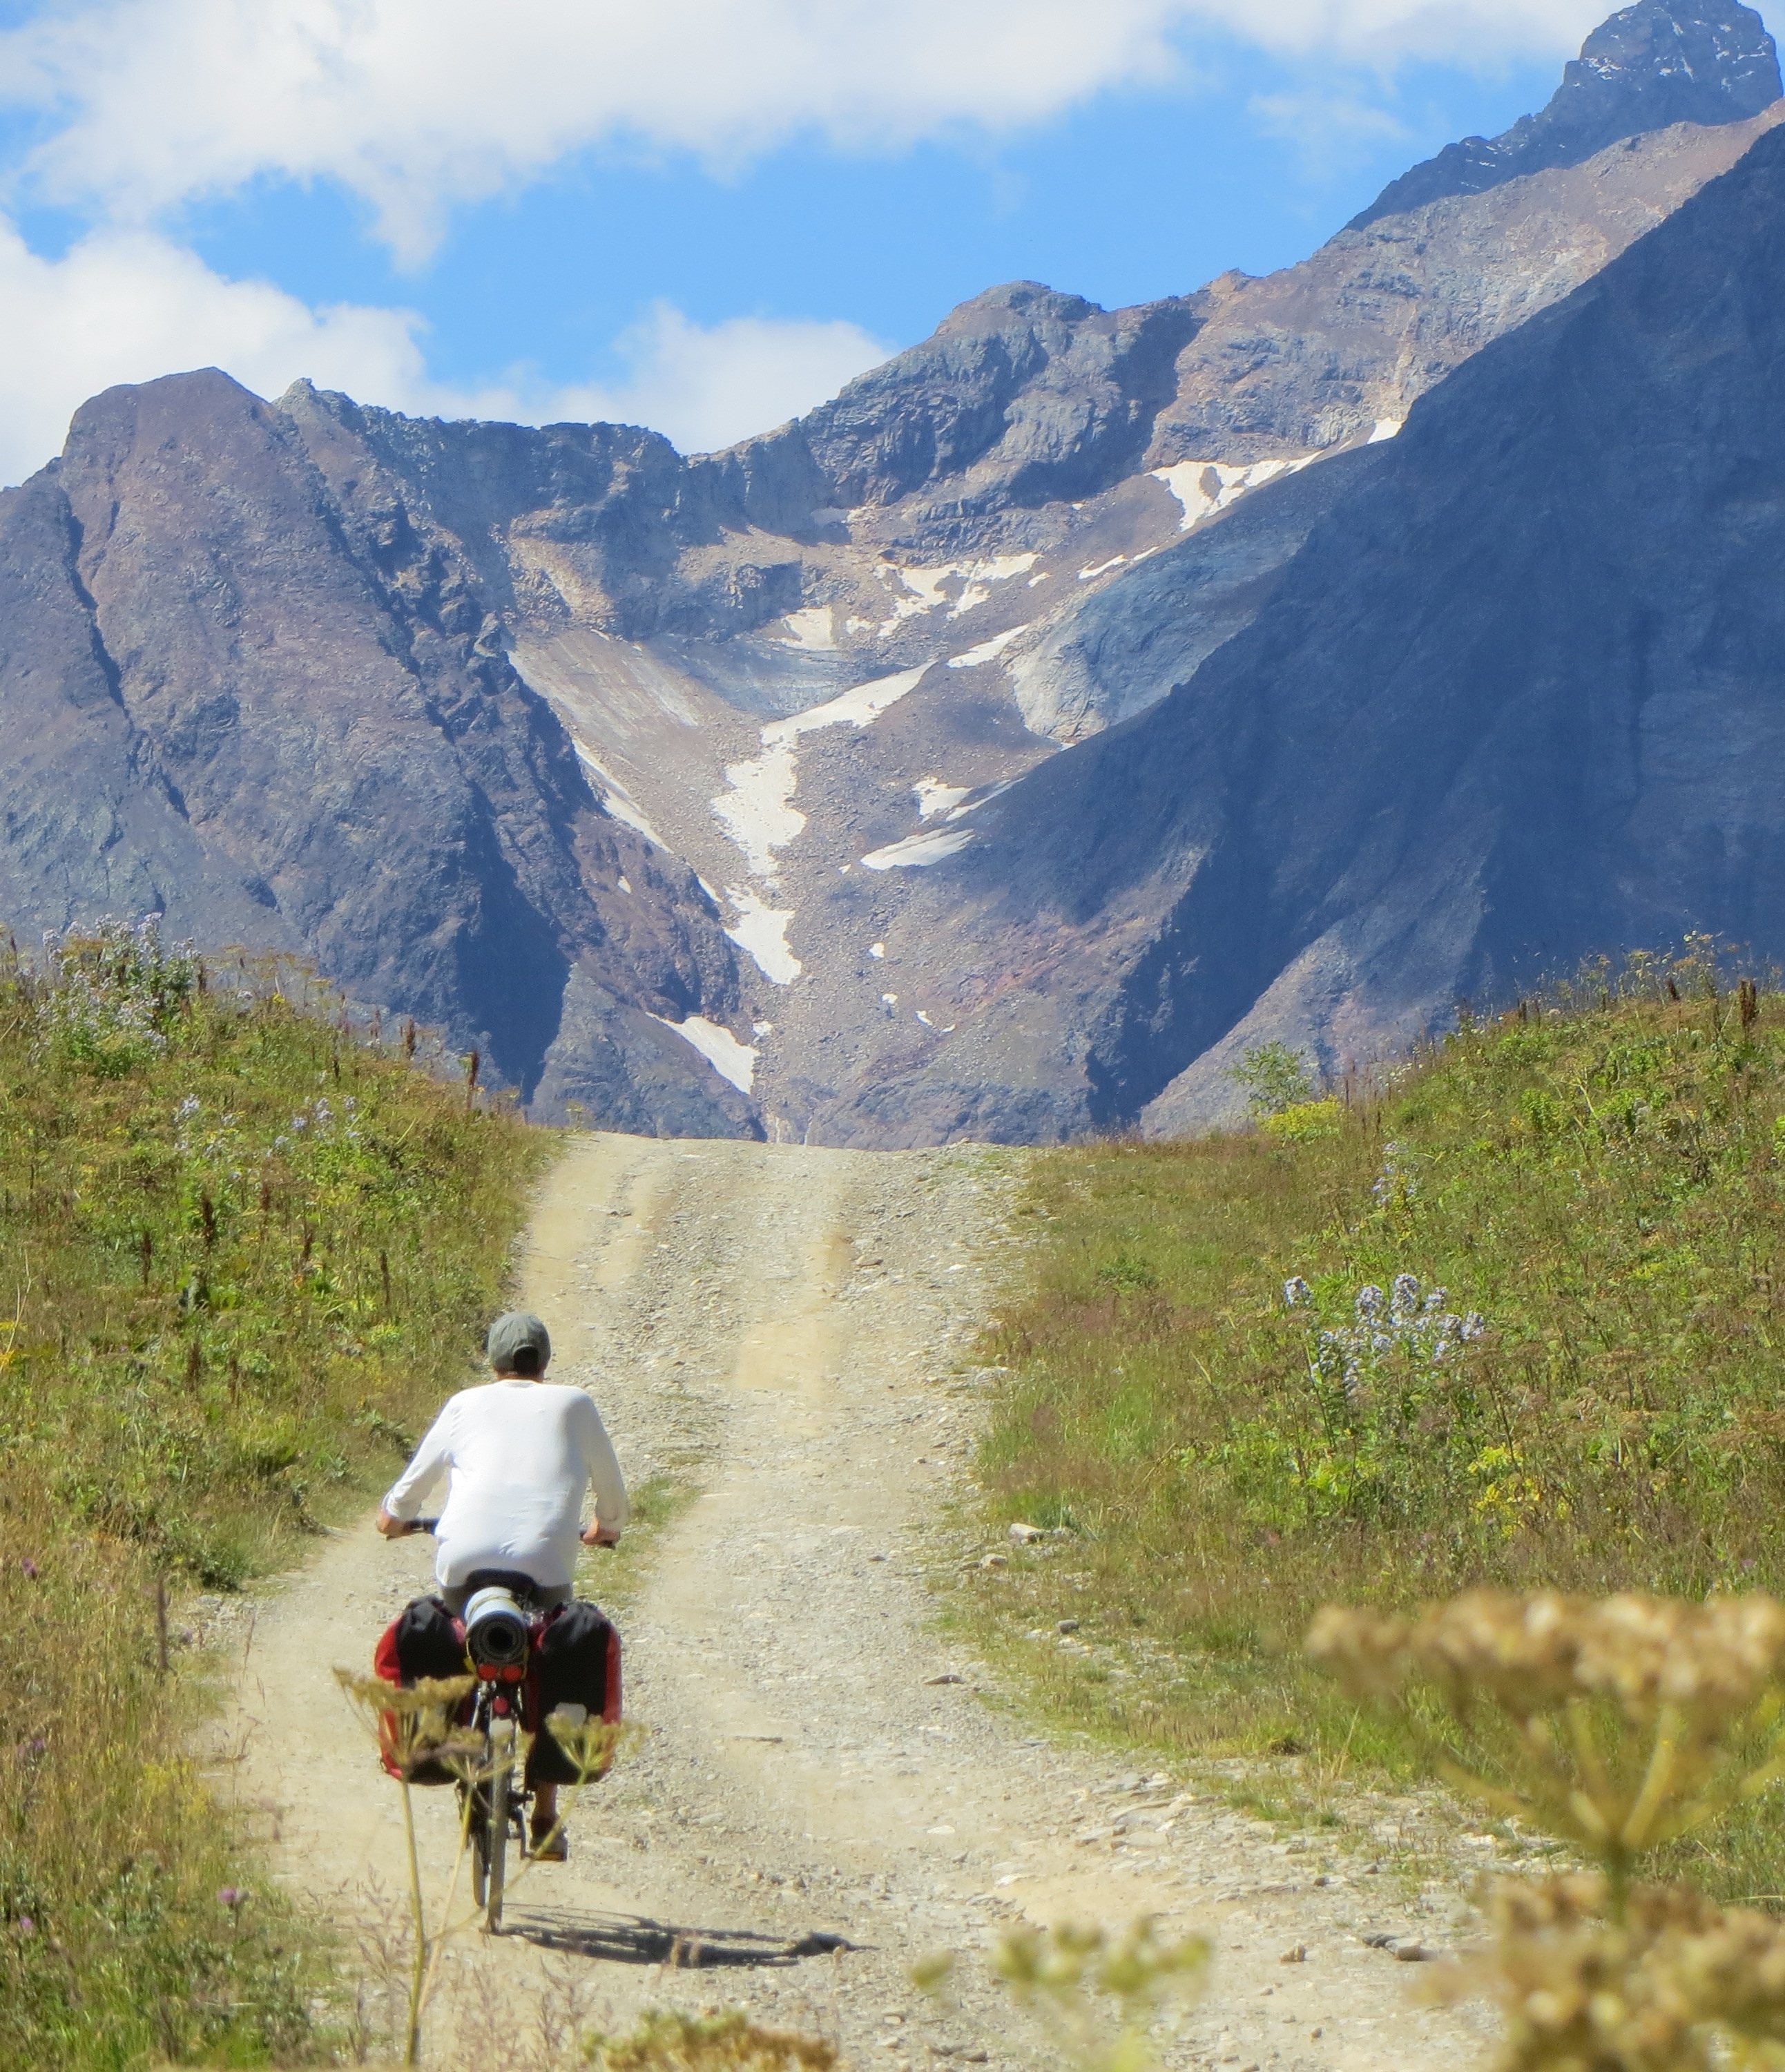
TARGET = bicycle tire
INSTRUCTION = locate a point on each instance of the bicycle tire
(501, 1752)
(478, 1815)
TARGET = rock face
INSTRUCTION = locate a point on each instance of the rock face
(248, 685)
(1658, 63)
(727, 793)
(1517, 698)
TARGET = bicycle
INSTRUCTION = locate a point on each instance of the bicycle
(503, 1624)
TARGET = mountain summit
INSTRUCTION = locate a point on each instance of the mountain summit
(1662, 62)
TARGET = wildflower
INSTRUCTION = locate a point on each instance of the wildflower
(1632, 1710)
(29, 1569)
(413, 1723)
(1582, 1982)
(1297, 1294)
(232, 1897)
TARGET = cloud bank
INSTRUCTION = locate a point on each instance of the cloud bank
(420, 106)
(129, 306)
(417, 105)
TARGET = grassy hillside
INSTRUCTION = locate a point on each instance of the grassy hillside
(245, 1254)
(1531, 1333)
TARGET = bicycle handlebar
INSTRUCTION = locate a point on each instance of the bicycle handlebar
(433, 1525)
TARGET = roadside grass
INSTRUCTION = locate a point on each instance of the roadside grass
(614, 1576)
(248, 1252)
(1601, 1176)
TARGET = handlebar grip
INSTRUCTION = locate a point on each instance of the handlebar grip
(424, 1525)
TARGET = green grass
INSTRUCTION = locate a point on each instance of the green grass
(1602, 1176)
(246, 1254)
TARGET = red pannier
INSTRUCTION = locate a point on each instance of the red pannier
(574, 1659)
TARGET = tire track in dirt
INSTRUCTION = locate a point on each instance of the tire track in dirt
(791, 1329)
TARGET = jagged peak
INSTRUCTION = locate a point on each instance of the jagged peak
(1649, 66)
(1031, 300)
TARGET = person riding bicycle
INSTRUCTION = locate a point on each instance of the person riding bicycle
(518, 1451)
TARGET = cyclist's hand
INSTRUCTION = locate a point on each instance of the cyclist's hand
(595, 1533)
(392, 1528)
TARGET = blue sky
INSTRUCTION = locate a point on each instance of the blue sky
(706, 218)
(1136, 194)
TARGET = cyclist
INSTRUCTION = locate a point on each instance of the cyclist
(518, 1451)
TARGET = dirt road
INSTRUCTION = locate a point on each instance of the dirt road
(788, 1333)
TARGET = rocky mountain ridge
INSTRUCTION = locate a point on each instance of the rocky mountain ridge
(1516, 701)
(639, 771)
(1650, 66)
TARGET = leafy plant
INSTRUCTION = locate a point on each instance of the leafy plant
(1275, 1079)
(1097, 1994)
(726, 2042)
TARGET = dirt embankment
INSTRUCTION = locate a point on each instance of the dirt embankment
(787, 1332)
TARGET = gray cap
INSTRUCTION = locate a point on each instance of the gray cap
(513, 1332)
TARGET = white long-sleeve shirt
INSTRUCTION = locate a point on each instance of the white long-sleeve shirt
(519, 1454)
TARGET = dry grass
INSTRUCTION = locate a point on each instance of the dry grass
(1602, 1177)
(221, 1324)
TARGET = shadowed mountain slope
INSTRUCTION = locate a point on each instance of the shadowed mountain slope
(280, 715)
(1520, 696)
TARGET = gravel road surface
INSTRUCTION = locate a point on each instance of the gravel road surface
(786, 1334)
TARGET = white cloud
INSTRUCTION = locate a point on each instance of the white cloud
(129, 306)
(705, 388)
(1329, 132)
(418, 104)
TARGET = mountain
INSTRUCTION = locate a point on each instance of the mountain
(1515, 699)
(245, 686)
(715, 793)
(1652, 65)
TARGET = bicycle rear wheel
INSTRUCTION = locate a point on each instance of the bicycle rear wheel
(495, 1824)
(478, 1814)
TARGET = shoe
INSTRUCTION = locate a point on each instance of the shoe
(545, 1847)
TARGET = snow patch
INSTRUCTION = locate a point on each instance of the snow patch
(1206, 486)
(758, 813)
(915, 851)
(1102, 568)
(761, 930)
(813, 631)
(731, 1059)
(925, 587)
(987, 651)
(934, 796)
(615, 797)
(860, 707)
(1386, 428)
(876, 949)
